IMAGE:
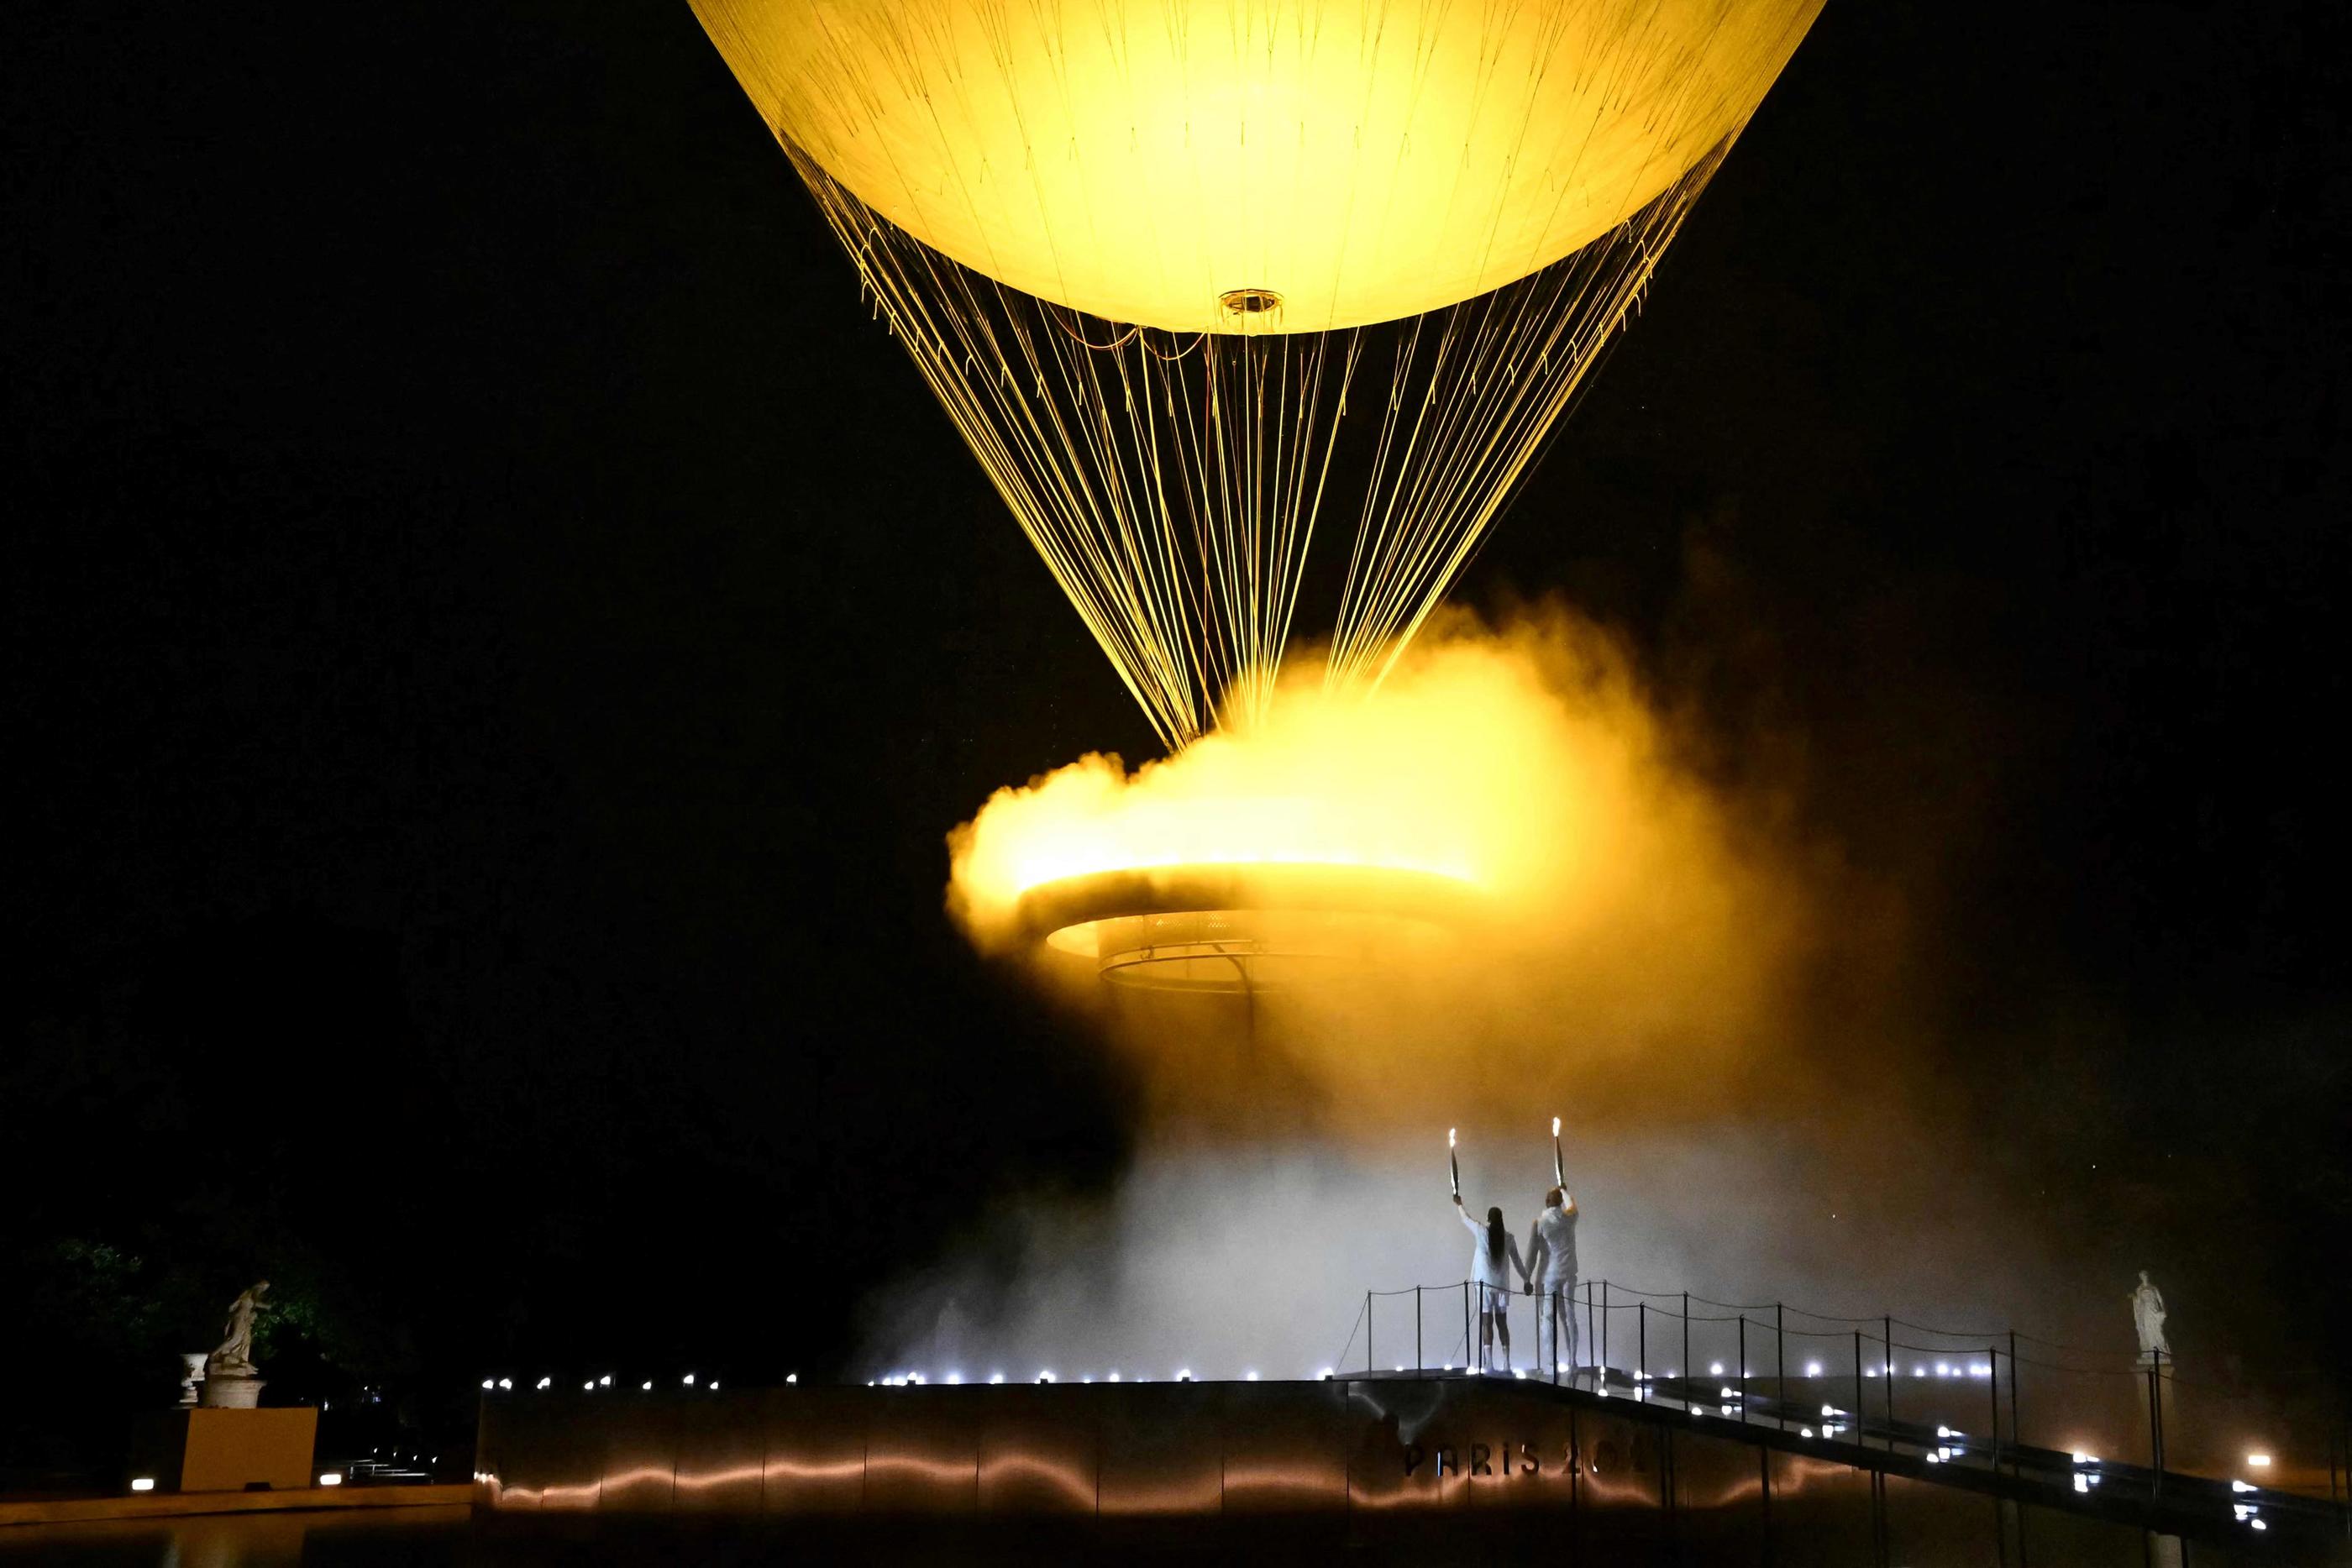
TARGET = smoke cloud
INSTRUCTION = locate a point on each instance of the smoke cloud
(1643, 945)
(1706, 997)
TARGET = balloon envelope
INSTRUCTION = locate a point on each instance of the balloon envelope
(1234, 165)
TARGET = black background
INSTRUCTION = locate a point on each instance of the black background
(499, 635)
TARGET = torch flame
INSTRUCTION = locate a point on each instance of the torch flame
(1555, 1127)
(1449, 1137)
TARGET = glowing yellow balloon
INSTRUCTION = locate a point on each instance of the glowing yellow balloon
(1250, 164)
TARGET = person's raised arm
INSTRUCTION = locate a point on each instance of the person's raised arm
(1477, 1226)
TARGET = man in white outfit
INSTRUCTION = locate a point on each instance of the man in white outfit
(1551, 1262)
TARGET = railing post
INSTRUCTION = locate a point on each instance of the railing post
(1889, 1341)
(1779, 1363)
(1368, 1331)
(1591, 1345)
(1641, 1350)
(1743, 1366)
(1687, 1371)
(1469, 1344)
(1601, 1377)
(1418, 1365)
(1856, 1422)
(2016, 1432)
(1993, 1381)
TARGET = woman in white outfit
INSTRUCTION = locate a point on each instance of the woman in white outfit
(1494, 1258)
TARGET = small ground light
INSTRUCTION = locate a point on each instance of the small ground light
(1251, 1375)
(795, 1378)
(992, 1377)
(506, 1383)
(647, 1385)
(607, 1380)
(331, 1478)
(1812, 1369)
(2259, 1462)
(142, 1483)
(546, 1382)
(489, 1382)
(689, 1380)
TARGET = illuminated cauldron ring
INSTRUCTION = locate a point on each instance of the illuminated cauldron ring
(1241, 926)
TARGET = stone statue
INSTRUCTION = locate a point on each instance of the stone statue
(234, 1357)
(2147, 1317)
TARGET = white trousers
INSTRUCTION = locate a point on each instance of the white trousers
(1555, 1304)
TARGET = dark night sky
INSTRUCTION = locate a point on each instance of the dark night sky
(500, 635)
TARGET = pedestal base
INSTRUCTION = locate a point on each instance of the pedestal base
(225, 1449)
(227, 1391)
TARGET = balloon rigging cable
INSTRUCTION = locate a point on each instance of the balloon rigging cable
(1174, 488)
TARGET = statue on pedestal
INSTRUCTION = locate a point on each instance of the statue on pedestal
(231, 1380)
(2147, 1317)
(235, 1355)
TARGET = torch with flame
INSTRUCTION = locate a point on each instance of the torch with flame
(1559, 1170)
(1453, 1160)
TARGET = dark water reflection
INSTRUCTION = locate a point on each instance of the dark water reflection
(451, 1538)
(426, 1537)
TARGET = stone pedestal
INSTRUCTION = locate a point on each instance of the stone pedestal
(214, 1448)
(228, 1391)
(192, 1372)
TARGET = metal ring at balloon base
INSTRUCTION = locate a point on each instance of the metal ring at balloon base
(1227, 927)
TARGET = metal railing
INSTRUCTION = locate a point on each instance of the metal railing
(1971, 1400)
